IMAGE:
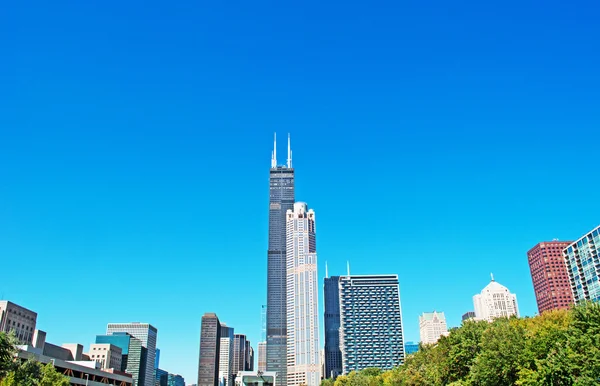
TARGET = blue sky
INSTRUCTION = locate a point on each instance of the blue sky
(435, 140)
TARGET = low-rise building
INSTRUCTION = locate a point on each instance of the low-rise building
(107, 355)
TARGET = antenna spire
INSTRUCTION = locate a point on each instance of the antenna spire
(492, 275)
(326, 273)
(289, 159)
(348, 266)
(274, 152)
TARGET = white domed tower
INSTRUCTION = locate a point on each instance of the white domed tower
(495, 301)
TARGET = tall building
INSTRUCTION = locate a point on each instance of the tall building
(239, 354)
(549, 275)
(303, 363)
(370, 322)
(210, 339)
(432, 325)
(134, 357)
(249, 357)
(495, 301)
(262, 356)
(147, 334)
(331, 299)
(281, 199)
(18, 319)
(226, 356)
(583, 267)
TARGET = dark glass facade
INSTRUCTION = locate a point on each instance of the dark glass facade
(333, 355)
(281, 198)
(210, 339)
(135, 356)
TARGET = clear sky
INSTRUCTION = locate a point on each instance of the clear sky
(436, 140)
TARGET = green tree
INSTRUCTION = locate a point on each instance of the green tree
(34, 373)
(327, 382)
(7, 352)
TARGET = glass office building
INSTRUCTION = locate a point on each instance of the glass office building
(333, 355)
(135, 356)
(281, 198)
(370, 322)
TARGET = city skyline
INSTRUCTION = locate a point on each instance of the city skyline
(136, 140)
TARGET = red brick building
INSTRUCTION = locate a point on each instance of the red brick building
(549, 275)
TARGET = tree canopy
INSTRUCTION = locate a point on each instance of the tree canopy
(557, 348)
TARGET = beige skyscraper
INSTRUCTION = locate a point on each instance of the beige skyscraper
(495, 301)
(432, 325)
(303, 358)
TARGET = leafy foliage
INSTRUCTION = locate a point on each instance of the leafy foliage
(557, 348)
(27, 373)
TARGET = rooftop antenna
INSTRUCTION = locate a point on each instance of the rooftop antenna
(326, 273)
(274, 152)
(289, 160)
(348, 266)
(492, 275)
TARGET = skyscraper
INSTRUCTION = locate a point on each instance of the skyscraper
(262, 356)
(303, 363)
(331, 298)
(370, 322)
(495, 301)
(239, 354)
(147, 334)
(281, 199)
(432, 325)
(133, 355)
(210, 340)
(226, 356)
(583, 266)
(549, 275)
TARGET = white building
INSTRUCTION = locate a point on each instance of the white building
(432, 325)
(303, 358)
(107, 355)
(495, 301)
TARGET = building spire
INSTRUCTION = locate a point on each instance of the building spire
(492, 275)
(326, 273)
(289, 159)
(274, 152)
(348, 266)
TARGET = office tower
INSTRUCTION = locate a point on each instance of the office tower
(226, 356)
(549, 275)
(494, 301)
(145, 333)
(134, 355)
(411, 348)
(303, 363)
(583, 267)
(432, 325)
(239, 354)
(18, 319)
(370, 322)
(262, 356)
(468, 316)
(331, 298)
(157, 359)
(107, 355)
(210, 340)
(162, 377)
(281, 198)
(249, 357)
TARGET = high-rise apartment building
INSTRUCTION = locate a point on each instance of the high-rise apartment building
(583, 267)
(432, 325)
(210, 340)
(226, 356)
(303, 362)
(549, 275)
(331, 299)
(495, 301)
(370, 322)
(18, 319)
(147, 334)
(281, 199)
